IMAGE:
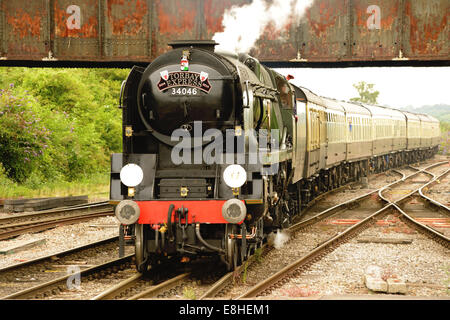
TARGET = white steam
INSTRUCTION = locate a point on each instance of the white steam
(244, 25)
(277, 240)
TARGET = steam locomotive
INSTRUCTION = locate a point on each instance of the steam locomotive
(219, 151)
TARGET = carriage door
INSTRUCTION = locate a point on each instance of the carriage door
(313, 147)
(323, 139)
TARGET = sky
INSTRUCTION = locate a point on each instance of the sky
(398, 86)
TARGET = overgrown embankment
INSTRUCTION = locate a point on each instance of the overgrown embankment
(58, 128)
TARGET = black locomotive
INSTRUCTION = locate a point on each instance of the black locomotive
(219, 150)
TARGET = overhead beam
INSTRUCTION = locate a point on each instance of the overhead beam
(330, 33)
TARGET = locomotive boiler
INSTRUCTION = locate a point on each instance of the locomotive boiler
(219, 151)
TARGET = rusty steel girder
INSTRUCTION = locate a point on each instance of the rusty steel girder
(139, 30)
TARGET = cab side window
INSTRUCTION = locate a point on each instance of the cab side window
(286, 93)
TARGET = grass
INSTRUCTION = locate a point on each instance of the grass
(244, 276)
(96, 186)
(189, 293)
(258, 259)
(258, 255)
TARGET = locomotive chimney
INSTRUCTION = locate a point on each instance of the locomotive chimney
(202, 44)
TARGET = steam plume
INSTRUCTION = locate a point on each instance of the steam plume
(278, 239)
(244, 25)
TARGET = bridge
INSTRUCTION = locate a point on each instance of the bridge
(126, 32)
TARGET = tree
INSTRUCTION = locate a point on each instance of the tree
(367, 93)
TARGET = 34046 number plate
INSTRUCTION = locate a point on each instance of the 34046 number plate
(184, 91)
(184, 83)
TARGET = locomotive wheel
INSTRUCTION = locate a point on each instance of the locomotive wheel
(231, 248)
(140, 248)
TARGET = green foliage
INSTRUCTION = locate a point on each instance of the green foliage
(442, 113)
(244, 275)
(444, 147)
(258, 255)
(58, 124)
(23, 135)
(439, 111)
(367, 93)
(96, 186)
(445, 127)
(189, 293)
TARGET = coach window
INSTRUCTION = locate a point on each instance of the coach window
(329, 126)
(323, 127)
(369, 129)
(363, 128)
(364, 124)
(382, 129)
(358, 127)
(336, 127)
(378, 124)
(381, 125)
(358, 120)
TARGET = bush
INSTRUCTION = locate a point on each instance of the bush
(23, 135)
(444, 148)
(58, 124)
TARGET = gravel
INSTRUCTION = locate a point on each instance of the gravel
(350, 192)
(423, 264)
(60, 239)
(440, 191)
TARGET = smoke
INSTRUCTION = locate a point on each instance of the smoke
(277, 240)
(244, 25)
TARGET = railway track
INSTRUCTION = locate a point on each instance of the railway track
(444, 180)
(136, 286)
(354, 191)
(226, 282)
(20, 276)
(68, 282)
(187, 282)
(184, 285)
(163, 280)
(64, 211)
(427, 210)
(34, 222)
(295, 268)
(173, 287)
